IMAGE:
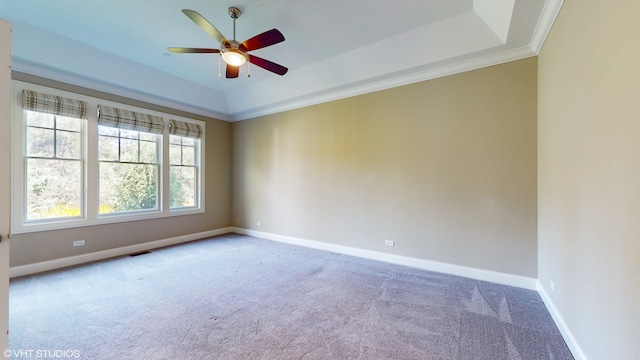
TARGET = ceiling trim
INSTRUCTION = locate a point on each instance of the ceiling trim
(429, 74)
(547, 18)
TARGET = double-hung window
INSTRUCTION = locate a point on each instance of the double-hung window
(184, 164)
(128, 154)
(53, 155)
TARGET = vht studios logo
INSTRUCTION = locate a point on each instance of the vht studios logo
(45, 354)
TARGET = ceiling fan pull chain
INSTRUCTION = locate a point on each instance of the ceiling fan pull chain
(248, 69)
(219, 74)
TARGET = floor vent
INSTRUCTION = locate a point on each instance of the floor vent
(140, 253)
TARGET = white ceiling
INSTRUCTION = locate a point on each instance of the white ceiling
(333, 48)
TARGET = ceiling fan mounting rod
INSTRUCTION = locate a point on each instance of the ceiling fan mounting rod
(234, 12)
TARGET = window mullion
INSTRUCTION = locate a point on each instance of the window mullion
(181, 151)
(138, 145)
(55, 137)
(119, 145)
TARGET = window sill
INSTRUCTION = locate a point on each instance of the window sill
(101, 220)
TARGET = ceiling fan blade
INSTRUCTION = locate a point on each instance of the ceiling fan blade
(232, 71)
(265, 39)
(205, 25)
(268, 65)
(182, 50)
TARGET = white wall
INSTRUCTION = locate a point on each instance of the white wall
(5, 165)
(589, 174)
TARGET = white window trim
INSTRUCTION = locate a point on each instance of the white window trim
(91, 164)
(199, 179)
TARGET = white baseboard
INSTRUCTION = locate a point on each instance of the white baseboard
(571, 341)
(469, 272)
(101, 255)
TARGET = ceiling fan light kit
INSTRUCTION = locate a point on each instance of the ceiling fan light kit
(234, 53)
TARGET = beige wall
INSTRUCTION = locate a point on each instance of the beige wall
(41, 246)
(445, 168)
(589, 174)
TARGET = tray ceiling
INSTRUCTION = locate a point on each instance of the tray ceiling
(333, 49)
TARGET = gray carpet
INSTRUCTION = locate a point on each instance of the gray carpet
(238, 297)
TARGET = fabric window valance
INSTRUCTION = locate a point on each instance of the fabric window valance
(52, 104)
(185, 129)
(129, 120)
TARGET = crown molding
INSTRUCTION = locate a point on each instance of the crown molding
(415, 77)
(545, 23)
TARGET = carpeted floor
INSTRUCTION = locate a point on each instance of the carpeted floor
(238, 297)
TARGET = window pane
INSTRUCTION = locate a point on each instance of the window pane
(67, 123)
(39, 119)
(53, 188)
(189, 141)
(188, 155)
(174, 139)
(174, 155)
(107, 130)
(148, 152)
(129, 134)
(182, 191)
(108, 148)
(148, 136)
(127, 187)
(68, 145)
(40, 142)
(129, 150)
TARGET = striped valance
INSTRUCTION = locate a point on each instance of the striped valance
(52, 104)
(185, 129)
(130, 120)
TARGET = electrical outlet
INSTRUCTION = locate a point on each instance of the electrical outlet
(552, 285)
(78, 243)
(389, 243)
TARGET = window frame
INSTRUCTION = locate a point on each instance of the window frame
(90, 158)
(196, 166)
(25, 159)
(157, 165)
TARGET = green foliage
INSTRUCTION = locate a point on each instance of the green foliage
(136, 188)
(40, 187)
(53, 170)
(177, 192)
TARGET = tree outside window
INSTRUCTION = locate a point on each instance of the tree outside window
(53, 166)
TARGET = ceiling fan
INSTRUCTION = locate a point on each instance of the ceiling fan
(234, 53)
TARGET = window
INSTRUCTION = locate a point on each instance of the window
(128, 170)
(128, 155)
(53, 157)
(82, 161)
(184, 145)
